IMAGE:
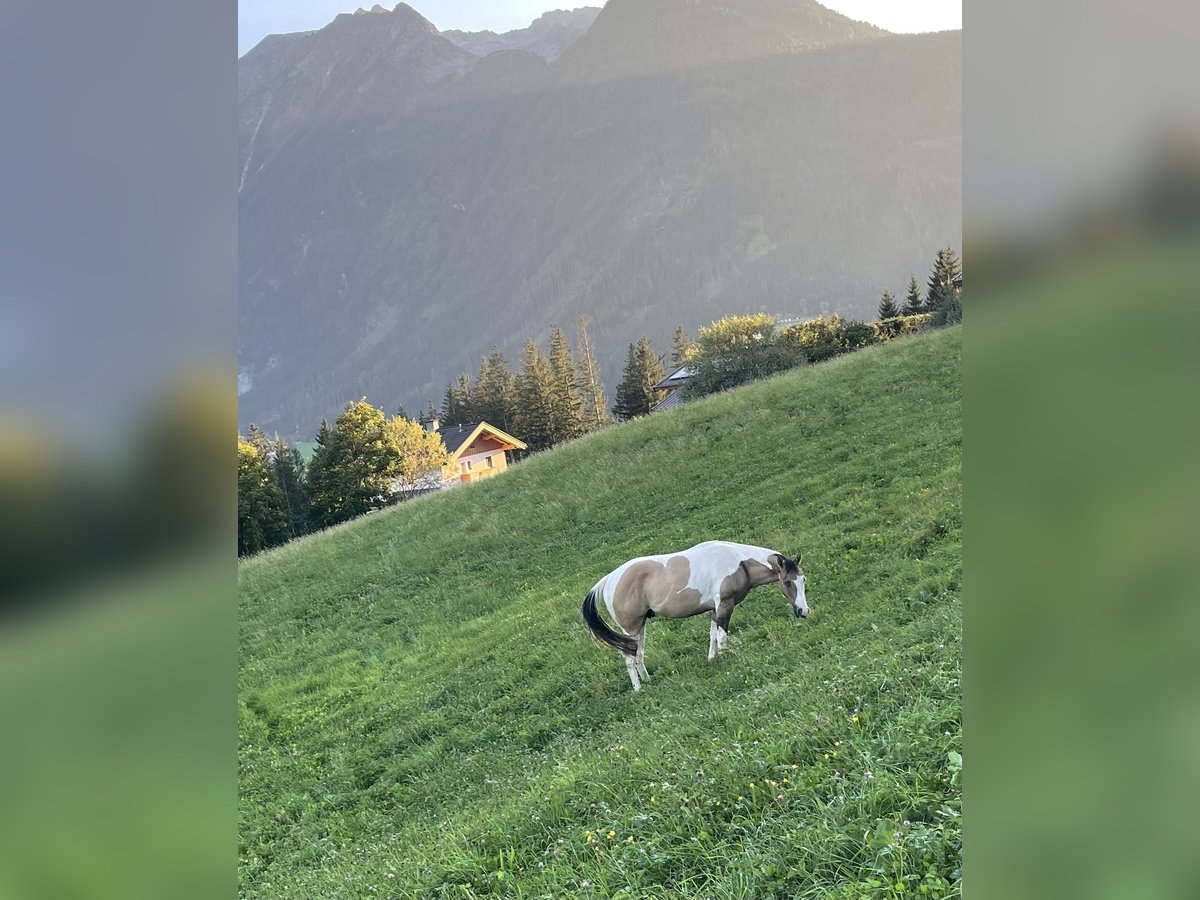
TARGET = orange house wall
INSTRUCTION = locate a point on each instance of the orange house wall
(484, 444)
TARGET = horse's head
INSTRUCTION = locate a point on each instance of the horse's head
(791, 582)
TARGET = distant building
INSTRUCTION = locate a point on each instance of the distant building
(671, 384)
(477, 451)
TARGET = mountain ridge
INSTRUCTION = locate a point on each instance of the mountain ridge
(548, 35)
(406, 204)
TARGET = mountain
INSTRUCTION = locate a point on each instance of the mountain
(636, 36)
(405, 204)
(548, 36)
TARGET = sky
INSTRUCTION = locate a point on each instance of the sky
(258, 18)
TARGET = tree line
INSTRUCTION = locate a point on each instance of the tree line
(942, 299)
(738, 349)
(366, 460)
(554, 396)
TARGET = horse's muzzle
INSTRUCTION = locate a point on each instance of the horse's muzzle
(801, 613)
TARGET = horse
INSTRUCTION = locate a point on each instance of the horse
(714, 576)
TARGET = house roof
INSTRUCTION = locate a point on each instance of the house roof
(671, 401)
(676, 378)
(459, 437)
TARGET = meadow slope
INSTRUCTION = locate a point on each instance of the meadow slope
(423, 714)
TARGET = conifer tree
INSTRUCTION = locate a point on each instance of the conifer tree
(566, 416)
(288, 469)
(258, 439)
(456, 404)
(887, 306)
(494, 397)
(262, 516)
(591, 391)
(941, 292)
(535, 389)
(636, 395)
(913, 304)
(682, 347)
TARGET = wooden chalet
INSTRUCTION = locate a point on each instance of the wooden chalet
(477, 450)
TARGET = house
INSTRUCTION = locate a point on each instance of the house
(671, 384)
(477, 450)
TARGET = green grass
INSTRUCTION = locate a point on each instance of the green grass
(423, 714)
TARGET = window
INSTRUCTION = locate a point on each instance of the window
(489, 462)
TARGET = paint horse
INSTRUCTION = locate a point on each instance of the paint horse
(711, 577)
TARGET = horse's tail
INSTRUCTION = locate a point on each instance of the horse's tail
(596, 626)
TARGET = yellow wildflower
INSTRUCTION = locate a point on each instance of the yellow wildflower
(827, 756)
(629, 840)
(854, 719)
(611, 835)
(740, 798)
(752, 785)
(785, 781)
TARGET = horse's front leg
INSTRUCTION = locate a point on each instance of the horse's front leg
(720, 628)
(721, 624)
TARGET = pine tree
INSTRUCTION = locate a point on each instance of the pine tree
(636, 395)
(288, 469)
(913, 304)
(941, 292)
(535, 388)
(456, 404)
(495, 395)
(258, 439)
(262, 515)
(591, 391)
(566, 410)
(682, 348)
(887, 306)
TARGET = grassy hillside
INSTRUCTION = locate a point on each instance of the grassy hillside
(423, 714)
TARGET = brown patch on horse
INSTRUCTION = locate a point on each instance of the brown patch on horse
(750, 573)
(649, 588)
(760, 574)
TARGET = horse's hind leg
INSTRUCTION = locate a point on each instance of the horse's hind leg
(631, 665)
(641, 654)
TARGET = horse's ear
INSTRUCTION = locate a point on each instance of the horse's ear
(778, 563)
(799, 558)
